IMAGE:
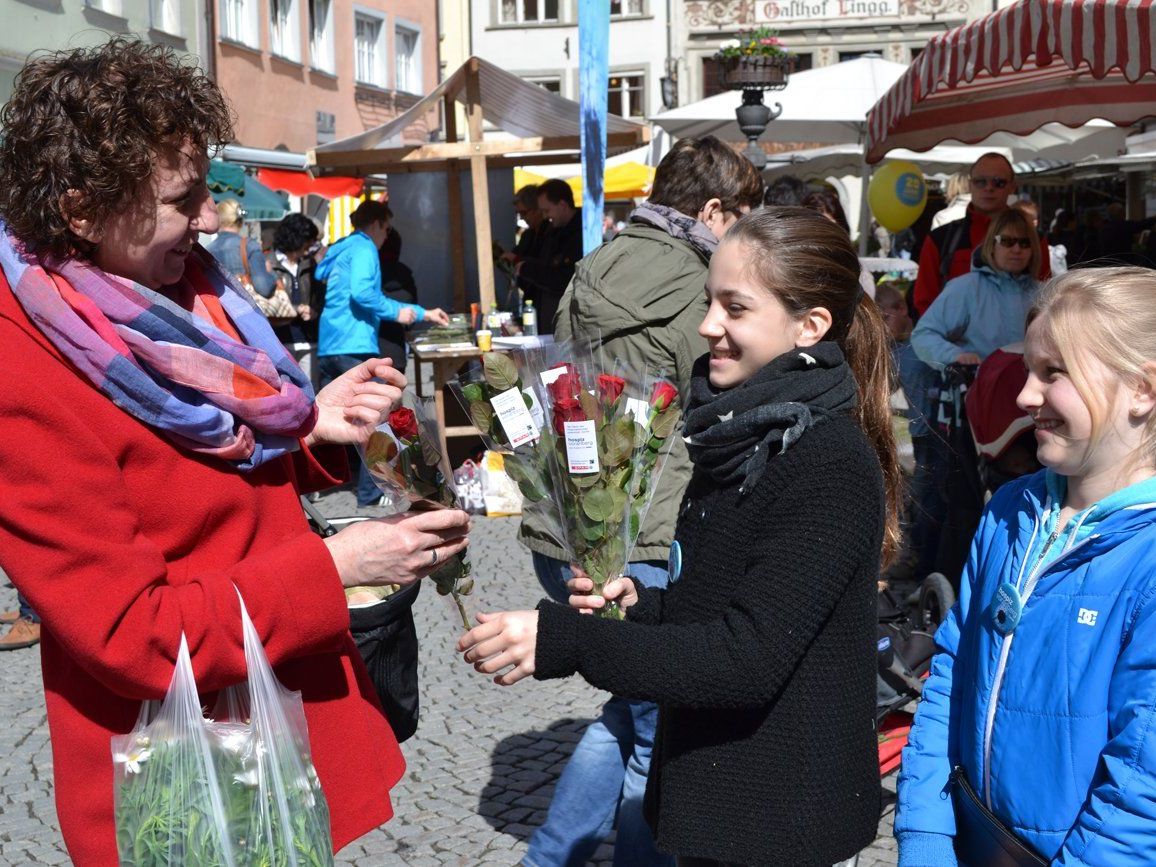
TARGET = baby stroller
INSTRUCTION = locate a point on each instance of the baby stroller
(993, 442)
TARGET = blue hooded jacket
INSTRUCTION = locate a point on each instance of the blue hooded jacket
(355, 306)
(1053, 724)
(979, 312)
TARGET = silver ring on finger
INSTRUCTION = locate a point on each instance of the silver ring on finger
(433, 558)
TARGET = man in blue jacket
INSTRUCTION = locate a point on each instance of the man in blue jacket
(355, 307)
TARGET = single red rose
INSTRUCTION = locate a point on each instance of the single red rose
(610, 387)
(565, 386)
(567, 409)
(403, 423)
(664, 395)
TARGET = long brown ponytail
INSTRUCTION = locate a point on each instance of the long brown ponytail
(807, 261)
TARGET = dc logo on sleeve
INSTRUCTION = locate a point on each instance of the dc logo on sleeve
(1087, 617)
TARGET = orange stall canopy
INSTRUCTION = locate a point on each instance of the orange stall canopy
(301, 184)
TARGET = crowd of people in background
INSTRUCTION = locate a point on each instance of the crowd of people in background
(160, 428)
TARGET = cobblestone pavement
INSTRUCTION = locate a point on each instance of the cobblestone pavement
(482, 766)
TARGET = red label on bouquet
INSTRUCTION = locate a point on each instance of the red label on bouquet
(582, 447)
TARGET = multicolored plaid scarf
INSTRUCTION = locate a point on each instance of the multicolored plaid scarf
(243, 400)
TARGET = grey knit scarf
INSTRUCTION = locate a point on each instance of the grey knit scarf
(677, 225)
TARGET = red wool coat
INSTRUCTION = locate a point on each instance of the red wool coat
(121, 540)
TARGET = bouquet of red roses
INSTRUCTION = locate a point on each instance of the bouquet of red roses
(405, 460)
(503, 409)
(607, 437)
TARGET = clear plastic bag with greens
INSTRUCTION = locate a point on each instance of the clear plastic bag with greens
(238, 790)
(608, 431)
(405, 460)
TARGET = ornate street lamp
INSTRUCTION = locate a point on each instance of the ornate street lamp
(753, 75)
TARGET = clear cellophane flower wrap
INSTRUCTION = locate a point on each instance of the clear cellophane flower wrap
(237, 790)
(607, 433)
(503, 407)
(405, 460)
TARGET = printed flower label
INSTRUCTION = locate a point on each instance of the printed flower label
(582, 446)
(536, 411)
(641, 410)
(515, 417)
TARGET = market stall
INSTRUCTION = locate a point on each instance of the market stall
(539, 128)
(1018, 68)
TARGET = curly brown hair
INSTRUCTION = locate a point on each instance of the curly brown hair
(89, 123)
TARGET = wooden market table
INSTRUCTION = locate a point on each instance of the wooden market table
(446, 364)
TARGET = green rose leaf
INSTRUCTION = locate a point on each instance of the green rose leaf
(586, 480)
(473, 392)
(664, 424)
(591, 408)
(482, 415)
(598, 504)
(593, 532)
(500, 372)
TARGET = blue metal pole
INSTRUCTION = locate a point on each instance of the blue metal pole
(593, 86)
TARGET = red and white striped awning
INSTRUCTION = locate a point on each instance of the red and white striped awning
(1014, 70)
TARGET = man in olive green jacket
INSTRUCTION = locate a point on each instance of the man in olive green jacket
(638, 298)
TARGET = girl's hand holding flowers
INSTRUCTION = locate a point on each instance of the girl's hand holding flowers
(620, 590)
(350, 407)
(506, 640)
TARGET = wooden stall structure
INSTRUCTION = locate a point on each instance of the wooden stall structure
(538, 127)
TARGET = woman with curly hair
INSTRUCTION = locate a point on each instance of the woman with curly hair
(155, 437)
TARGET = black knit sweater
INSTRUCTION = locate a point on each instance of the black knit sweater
(762, 660)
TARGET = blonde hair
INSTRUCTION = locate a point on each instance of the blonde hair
(958, 185)
(1012, 218)
(1106, 314)
(229, 212)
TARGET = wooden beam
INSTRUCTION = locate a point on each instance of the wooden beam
(457, 236)
(383, 159)
(481, 187)
(454, 195)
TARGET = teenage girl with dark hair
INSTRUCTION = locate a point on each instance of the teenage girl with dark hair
(758, 654)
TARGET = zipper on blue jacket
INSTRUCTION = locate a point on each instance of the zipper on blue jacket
(1005, 648)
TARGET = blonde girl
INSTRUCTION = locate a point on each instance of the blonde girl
(1038, 715)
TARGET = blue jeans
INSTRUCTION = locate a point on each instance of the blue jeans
(26, 611)
(606, 776)
(329, 368)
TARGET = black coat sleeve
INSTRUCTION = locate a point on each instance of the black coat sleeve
(828, 538)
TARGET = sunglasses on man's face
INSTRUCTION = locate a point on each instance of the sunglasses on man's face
(1009, 242)
(980, 182)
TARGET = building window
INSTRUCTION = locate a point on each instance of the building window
(527, 11)
(627, 8)
(109, 7)
(851, 55)
(165, 16)
(239, 21)
(284, 38)
(552, 83)
(915, 52)
(407, 53)
(321, 36)
(627, 95)
(369, 49)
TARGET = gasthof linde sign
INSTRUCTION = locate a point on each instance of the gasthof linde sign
(786, 11)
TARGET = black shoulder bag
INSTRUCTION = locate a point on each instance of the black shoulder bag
(387, 638)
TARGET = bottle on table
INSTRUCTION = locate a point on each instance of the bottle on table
(529, 319)
(494, 319)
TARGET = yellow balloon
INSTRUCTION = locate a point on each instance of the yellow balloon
(897, 194)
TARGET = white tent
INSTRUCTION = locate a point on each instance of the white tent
(830, 105)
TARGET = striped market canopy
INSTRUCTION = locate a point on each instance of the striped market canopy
(1016, 69)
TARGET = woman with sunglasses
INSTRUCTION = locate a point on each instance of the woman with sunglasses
(984, 309)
